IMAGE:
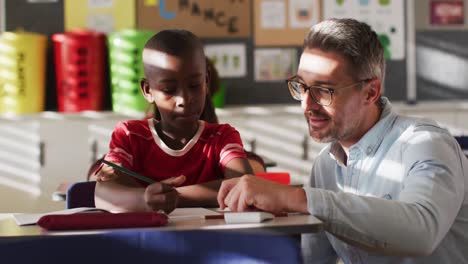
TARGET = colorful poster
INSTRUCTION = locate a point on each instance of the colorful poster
(273, 14)
(100, 15)
(386, 17)
(303, 13)
(447, 13)
(101, 22)
(275, 64)
(284, 22)
(228, 59)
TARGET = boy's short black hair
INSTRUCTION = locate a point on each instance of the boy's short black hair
(174, 42)
(177, 42)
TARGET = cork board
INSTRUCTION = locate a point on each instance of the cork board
(205, 18)
(284, 22)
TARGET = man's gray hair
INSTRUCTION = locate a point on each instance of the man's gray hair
(354, 40)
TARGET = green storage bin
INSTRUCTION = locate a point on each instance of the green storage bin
(126, 69)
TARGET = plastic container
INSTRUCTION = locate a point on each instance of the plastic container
(126, 69)
(22, 72)
(81, 68)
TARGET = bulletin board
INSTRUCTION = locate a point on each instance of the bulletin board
(387, 19)
(441, 15)
(205, 18)
(284, 22)
(100, 15)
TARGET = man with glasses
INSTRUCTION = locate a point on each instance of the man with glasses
(388, 188)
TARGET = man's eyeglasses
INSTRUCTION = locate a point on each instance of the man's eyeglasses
(321, 95)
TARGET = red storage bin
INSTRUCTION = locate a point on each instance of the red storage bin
(80, 65)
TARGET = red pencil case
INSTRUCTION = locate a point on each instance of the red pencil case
(83, 221)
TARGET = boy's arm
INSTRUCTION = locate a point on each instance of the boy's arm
(123, 194)
(204, 194)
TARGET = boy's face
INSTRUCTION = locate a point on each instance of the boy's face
(177, 86)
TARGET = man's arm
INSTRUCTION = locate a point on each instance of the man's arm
(412, 225)
(240, 194)
(204, 194)
(433, 189)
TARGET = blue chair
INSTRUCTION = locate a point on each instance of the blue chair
(81, 194)
(152, 246)
(463, 141)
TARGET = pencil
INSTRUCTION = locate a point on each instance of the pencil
(129, 172)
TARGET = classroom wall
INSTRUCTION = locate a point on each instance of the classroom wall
(440, 54)
(2, 15)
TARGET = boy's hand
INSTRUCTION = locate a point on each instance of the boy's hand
(106, 173)
(175, 181)
(160, 196)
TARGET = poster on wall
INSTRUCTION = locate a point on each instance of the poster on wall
(273, 14)
(386, 17)
(275, 64)
(303, 13)
(101, 15)
(284, 22)
(228, 59)
(447, 13)
(205, 18)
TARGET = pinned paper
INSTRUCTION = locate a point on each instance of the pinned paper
(385, 17)
(151, 2)
(228, 59)
(275, 64)
(303, 13)
(273, 14)
(100, 3)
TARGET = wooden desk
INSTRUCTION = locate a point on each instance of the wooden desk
(290, 225)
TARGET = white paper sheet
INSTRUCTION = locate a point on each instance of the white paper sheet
(195, 212)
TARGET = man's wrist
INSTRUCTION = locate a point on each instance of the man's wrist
(296, 200)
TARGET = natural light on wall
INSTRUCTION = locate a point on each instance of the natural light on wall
(19, 158)
(442, 68)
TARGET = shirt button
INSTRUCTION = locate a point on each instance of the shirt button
(369, 150)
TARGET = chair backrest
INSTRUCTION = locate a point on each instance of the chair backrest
(81, 194)
(154, 246)
(463, 141)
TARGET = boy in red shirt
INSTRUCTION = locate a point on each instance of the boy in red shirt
(180, 150)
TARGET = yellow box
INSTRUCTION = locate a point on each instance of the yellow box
(100, 15)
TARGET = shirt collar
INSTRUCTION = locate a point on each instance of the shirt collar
(371, 141)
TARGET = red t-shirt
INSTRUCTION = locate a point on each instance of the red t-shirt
(136, 145)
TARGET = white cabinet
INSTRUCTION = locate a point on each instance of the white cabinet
(39, 152)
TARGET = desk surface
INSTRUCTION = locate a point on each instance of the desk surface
(292, 224)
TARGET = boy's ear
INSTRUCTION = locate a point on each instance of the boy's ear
(146, 90)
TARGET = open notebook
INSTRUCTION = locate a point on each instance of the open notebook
(29, 219)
